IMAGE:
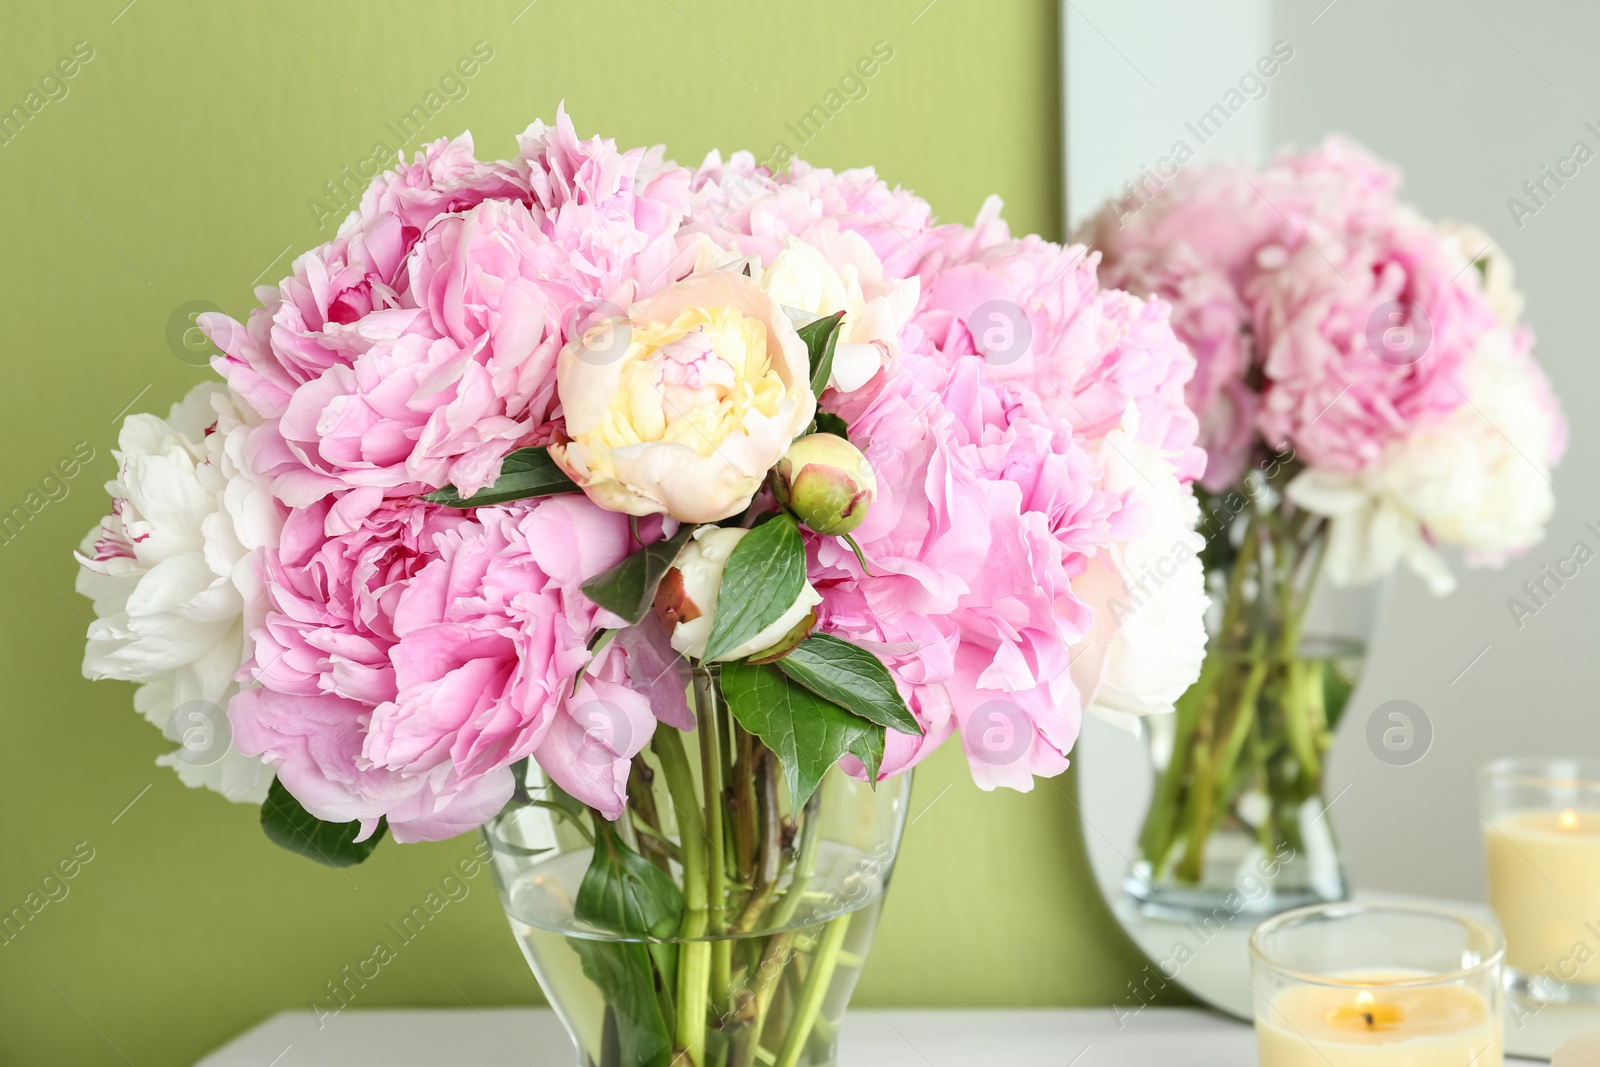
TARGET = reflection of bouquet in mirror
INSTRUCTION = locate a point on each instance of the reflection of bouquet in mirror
(656, 522)
(1366, 396)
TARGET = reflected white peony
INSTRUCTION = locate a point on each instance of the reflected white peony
(1498, 277)
(172, 575)
(1479, 479)
(1148, 594)
(842, 273)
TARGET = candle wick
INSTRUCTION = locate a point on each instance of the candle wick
(1372, 1022)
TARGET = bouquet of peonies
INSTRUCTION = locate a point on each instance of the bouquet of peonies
(1366, 394)
(543, 474)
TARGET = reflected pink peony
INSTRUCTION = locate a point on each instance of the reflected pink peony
(1337, 329)
(1364, 341)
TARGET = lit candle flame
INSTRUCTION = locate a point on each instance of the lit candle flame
(1568, 819)
(1366, 1014)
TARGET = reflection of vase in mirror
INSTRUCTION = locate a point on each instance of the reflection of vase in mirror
(1237, 819)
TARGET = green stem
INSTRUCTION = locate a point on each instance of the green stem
(646, 820)
(1233, 739)
(1158, 835)
(770, 847)
(744, 804)
(815, 989)
(753, 1013)
(694, 954)
(708, 723)
(1192, 865)
(805, 863)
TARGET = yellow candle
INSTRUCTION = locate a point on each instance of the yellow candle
(1381, 1025)
(1544, 886)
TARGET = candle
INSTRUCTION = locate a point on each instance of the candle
(1542, 846)
(1544, 887)
(1377, 985)
(1367, 1021)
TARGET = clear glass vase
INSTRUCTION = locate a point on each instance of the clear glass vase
(753, 948)
(1238, 817)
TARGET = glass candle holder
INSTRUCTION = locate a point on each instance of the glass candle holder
(1377, 986)
(1542, 844)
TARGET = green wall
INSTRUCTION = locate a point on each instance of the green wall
(178, 168)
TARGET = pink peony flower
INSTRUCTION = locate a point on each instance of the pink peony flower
(742, 205)
(342, 297)
(491, 634)
(427, 654)
(314, 743)
(1212, 319)
(1035, 314)
(411, 654)
(414, 350)
(985, 512)
(333, 592)
(444, 179)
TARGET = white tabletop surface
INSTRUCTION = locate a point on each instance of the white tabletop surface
(525, 1037)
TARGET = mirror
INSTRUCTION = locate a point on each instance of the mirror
(1472, 103)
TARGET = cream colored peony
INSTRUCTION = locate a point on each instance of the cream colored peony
(844, 274)
(172, 575)
(1480, 479)
(1148, 594)
(686, 416)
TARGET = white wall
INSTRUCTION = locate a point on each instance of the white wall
(1139, 75)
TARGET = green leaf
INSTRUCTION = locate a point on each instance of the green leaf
(524, 473)
(820, 336)
(807, 733)
(1336, 689)
(828, 422)
(291, 826)
(765, 574)
(629, 588)
(624, 893)
(868, 748)
(851, 677)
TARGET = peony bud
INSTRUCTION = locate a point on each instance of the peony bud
(686, 599)
(827, 483)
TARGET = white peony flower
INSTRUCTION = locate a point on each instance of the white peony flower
(843, 273)
(1498, 276)
(172, 575)
(1479, 479)
(1148, 594)
(687, 602)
